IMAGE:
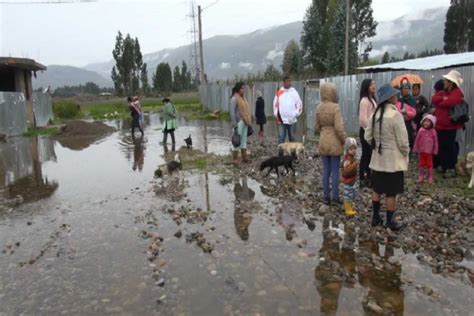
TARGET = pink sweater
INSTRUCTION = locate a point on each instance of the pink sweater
(426, 141)
(366, 109)
(410, 111)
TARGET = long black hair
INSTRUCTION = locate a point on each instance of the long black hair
(381, 107)
(237, 88)
(364, 91)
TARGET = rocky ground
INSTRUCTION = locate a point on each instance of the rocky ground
(438, 218)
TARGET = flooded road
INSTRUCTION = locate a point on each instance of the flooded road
(88, 230)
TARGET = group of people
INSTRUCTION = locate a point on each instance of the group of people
(169, 118)
(393, 124)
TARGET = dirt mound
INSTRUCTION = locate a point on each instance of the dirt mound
(82, 128)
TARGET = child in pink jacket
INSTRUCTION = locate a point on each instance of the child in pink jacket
(426, 144)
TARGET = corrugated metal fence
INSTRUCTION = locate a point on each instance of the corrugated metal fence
(216, 96)
(13, 111)
(42, 108)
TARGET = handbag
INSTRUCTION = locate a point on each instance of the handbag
(459, 114)
(249, 131)
(236, 138)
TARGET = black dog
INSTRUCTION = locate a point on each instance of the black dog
(189, 142)
(174, 165)
(274, 162)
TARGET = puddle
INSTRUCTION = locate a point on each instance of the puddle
(75, 243)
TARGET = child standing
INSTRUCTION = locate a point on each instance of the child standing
(426, 144)
(349, 174)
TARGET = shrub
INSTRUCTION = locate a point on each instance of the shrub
(66, 109)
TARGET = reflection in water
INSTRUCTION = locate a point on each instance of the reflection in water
(21, 171)
(242, 210)
(138, 154)
(340, 266)
(166, 148)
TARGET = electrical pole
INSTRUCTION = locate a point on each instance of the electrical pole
(201, 55)
(346, 49)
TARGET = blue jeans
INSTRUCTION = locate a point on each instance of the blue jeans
(283, 129)
(331, 170)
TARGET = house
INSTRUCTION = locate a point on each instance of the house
(15, 76)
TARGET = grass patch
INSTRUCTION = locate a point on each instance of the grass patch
(200, 163)
(66, 109)
(32, 132)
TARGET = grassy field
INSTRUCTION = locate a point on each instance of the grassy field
(49, 131)
(187, 104)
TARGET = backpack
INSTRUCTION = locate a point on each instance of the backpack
(459, 114)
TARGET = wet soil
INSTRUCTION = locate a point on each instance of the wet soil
(211, 239)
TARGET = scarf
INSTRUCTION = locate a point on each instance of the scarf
(244, 109)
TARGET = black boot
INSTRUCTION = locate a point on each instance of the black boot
(376, 219)
(391, 223)
(172, 138)
(165, 138)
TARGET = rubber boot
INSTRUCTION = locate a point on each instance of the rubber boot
(235, 158)
(173, 140)
(391, 223)
(349, 210)
(421, 177)
(376, 219)
(245, 158)
(430, 175)
(165, 138)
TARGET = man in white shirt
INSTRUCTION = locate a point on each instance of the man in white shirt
(287, 106)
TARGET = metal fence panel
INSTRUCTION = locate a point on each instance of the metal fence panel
(42, 108)
(12, 113)
(348, 92)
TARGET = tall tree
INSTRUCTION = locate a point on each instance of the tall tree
(272, 74)
(386, 58)
(144, 80)
(363, 26)
(459, 27)
(185, 76)
(177, 81)
(163, 78)
(292, 60)
(128, 65)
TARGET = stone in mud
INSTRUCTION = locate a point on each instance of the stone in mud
(178, 234)
(302, 243)
(160, 282)
(375, 308)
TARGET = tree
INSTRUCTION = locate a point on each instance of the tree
(386, 58)
(272, 74)
(292, 60)
(163, 79)
(322, 19)
(315, 37)
(459, 27)
(177, 80)
(337, 44)
(144, 79)
(128, 65)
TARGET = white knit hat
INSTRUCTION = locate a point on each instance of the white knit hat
(350, 142)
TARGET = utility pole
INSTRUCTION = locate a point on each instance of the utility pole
(346, 49)
(201, 55)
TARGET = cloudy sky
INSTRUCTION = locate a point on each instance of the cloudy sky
(81, 33)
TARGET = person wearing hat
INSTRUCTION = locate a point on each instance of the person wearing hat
(349, 174)
(387, 134)
(169, 117)
(426, 145)
(447, 130)
(260, 113)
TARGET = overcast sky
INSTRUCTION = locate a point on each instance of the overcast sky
(81, 33)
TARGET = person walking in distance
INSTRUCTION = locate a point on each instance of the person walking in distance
(260, 113)
(287, 107)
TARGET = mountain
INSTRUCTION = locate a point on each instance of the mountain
(227, 56)
(58, 76)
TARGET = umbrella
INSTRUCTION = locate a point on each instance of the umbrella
(412, 78)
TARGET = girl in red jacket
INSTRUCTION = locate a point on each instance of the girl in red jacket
(426, 144)
(444, 101)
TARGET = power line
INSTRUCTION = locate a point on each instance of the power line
(48, 2)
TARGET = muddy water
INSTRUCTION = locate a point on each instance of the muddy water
(72, 235)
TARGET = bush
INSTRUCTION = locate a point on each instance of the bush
(66, 109)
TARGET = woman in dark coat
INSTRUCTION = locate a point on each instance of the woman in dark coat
(260, 113)
(422, 105)
(135, 112)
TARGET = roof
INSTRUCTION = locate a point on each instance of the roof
(22, 63)
(427, 63)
